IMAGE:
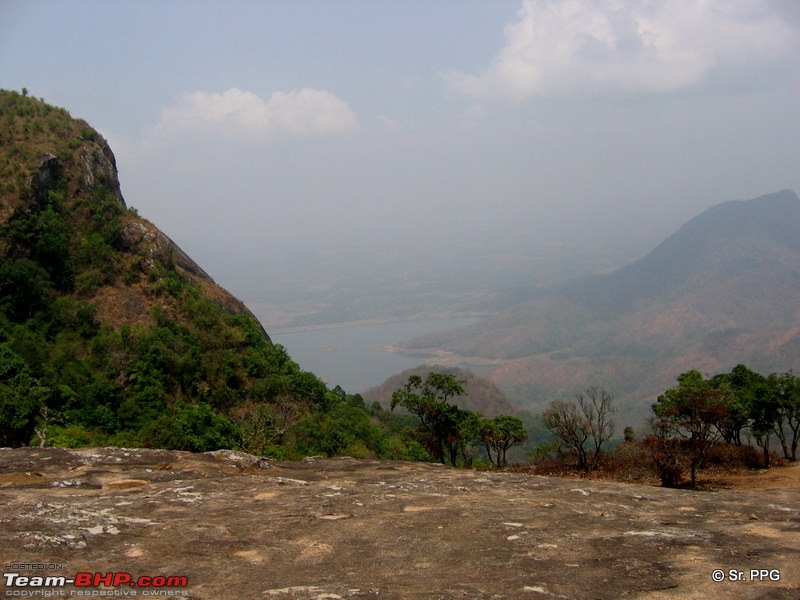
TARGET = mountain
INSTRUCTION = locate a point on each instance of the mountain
(721, 290)
(109, 332)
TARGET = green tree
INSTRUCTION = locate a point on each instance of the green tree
(441, 422)
(24, 288)
(787, 412)
(499, 434)
(763, 413)
(693, 412)
(739, 390)
(21, 399)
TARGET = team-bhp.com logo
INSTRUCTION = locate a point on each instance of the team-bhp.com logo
(151, 586)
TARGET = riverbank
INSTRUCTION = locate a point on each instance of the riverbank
(379, 321)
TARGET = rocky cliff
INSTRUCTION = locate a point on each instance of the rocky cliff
(85, 167)
(117, 329)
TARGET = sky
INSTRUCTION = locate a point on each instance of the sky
(254, 133)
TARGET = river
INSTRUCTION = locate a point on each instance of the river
(353, 356)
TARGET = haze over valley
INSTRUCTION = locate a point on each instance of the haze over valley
(364, 163)
(447, 294)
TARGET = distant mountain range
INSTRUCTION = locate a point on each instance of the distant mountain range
(723, 289)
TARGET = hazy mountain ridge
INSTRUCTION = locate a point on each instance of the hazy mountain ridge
(716, 245)
(721, 290)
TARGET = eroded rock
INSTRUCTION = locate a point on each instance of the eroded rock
(241, 527)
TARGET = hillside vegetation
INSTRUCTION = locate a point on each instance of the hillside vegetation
(111, 334)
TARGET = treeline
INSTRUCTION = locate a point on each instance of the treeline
(740, 409)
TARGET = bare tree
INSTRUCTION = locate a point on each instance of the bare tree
(665, 452)
(597, 407)
(570, 428)
(574, 425)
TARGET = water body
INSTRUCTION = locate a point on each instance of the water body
(353, 356)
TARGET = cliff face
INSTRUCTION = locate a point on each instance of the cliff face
(108, 330)
(66, 157)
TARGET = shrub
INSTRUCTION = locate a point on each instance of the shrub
(192, 427)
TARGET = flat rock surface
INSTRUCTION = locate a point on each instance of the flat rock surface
(239, 527)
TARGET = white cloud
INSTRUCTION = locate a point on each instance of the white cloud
(244, 115)
(609, 46)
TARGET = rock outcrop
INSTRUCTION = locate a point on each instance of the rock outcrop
(238, 526)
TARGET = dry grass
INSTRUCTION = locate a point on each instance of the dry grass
(728, 467)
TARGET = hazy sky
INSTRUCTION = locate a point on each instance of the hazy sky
(277, 128)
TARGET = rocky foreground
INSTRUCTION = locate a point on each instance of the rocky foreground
(240, 527)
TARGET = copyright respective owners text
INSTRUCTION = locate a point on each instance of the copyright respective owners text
(737, 575)
(48, 580)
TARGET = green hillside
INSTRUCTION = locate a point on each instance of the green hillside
(110, 334)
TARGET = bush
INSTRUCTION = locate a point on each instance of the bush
(343, 430)
(731, 456)
(20, 399)
(631, 462)
(192, 427)
(74, 436)
(398, 447)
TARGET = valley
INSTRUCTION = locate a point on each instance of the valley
(718, 292)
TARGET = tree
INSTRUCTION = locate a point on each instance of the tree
(21, 399)
(664, 450)
(694, 412)
(263, 424)
(597, 407)
(739, 390)
(459, 427)
(629, 434)
(763, 414)
(499, 434)
(440, 421)
(787, 412)
(571, 430)
(574, 425)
